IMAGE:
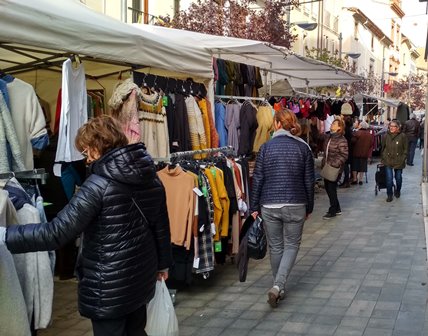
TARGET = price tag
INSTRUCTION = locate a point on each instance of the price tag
(217, 246)
(202, 228)
(165, 101)
(197, 191)
(57, 169)
(196, 263)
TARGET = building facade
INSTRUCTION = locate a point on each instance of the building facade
(366, 35)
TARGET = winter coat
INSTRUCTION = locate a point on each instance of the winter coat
(394, 150)
(284, 173)
(337, 151)
(248, 127)
(411, 129)
(362, 142)
(122, 248)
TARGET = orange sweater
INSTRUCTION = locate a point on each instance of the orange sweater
(180, 201)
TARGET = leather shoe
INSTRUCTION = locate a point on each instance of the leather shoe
(389, 199)
(397, 194)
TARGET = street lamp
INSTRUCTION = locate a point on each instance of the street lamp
(309, 26)
(353, 55)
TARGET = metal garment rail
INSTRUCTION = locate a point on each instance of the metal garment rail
(202, 151)
(240, 97)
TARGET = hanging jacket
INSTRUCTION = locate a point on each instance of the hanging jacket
(394, 150)
(122, 249)
(248, 126)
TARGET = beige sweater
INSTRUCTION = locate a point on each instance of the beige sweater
(180, 201)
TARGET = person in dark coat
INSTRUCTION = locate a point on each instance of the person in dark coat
(393, 156)
(362, 144)
(120, 212)
(348, 136)
(283, 191)
(411, 130)
(337, 156)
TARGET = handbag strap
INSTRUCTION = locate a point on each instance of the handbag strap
(326, 150)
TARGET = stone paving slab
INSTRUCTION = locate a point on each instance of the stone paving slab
(360, 274)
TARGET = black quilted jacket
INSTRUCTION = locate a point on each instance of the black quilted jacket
(284, 173)
(121, 252)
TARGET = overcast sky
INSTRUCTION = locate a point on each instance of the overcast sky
(415, 21)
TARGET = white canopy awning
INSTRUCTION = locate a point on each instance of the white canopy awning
(38, 34)
(300, 71)
(54, 27)
(386, 101)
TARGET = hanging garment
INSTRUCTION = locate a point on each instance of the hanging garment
(10, 151)
(13, 312)
(232, 124)
(181, 140)
(35, 275)
(180, 204)
(248, 126)
(154, 125)
(27, 117)
(196, 126)
(213, 131)
(205, 237)
(130, 123)
(202, 103)
(73, 111)
(220, 123)
(264, 121)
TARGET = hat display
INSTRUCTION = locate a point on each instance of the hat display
(346, 109)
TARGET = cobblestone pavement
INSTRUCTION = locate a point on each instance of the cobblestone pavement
(360, 274)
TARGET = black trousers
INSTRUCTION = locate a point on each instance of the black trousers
(129, 325)
(331, 189)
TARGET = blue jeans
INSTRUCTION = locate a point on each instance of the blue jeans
(390, 182)
(284, 229)
(411, 150)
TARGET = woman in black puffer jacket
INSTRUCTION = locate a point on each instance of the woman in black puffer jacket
(121, 213)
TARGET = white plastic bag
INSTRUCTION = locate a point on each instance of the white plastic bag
(161, 318)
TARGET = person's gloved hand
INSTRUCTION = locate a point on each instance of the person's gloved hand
(2, 235)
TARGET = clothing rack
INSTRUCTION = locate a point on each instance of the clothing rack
(319, 96)
(240, 97)
(35, 174)
(224, 149)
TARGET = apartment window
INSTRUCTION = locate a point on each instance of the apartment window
(372, 43)
(371, 69)
(336, 24)
(327, 17)
(354, 66)
(404, 59)
(136, 11)
(356, 31)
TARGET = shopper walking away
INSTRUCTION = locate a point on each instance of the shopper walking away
(362, 145)
(283, 191)
(393, 155)
(337, 156)
(411, 130)
(120, 210)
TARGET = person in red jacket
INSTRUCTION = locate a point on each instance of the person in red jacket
(362, 144)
